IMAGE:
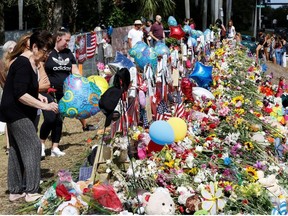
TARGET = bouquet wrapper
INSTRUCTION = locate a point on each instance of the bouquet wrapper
(107, 197)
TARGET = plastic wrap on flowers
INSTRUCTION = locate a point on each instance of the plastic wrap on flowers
(148, 56)
(80, 98)
(106, 196)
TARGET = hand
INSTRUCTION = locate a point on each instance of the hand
(43, 98)
(52, 107)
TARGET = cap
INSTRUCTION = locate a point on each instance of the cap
(108, 103)
(137, 22)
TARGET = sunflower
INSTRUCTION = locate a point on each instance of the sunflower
(249, 146)
(252, 174)
(237, 98)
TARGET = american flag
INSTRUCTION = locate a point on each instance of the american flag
(162, 111)
(179, 107)
(91, 44)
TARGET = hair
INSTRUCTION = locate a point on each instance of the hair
(59, 33)
(231, 22)
(42, 39)
(19, 48)
(122, 79)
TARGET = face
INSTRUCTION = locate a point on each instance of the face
(40, 54)
(62, 41)
(159, 19)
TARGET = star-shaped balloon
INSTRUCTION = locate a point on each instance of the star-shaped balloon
(121, 61)
(176, 32)
(202, 74)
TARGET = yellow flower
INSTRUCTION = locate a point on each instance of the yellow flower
(240, 111)
(170, 164)
(252, 173)
(259, 103)
(193, 171)
(249, 146)
(237, 98)
(252, 77)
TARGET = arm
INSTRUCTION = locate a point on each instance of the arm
(75, 69)
(31, 101)
(44, 82)
(130, 43)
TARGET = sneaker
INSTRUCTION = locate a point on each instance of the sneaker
(89, 128)
(43, 151)
(32, 197)
(56, 152)
(14, 197)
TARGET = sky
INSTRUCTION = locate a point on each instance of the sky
(277, 1)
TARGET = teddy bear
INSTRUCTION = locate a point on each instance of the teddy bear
(271, 183)
(159, 202)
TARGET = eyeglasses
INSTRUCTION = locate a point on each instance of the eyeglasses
(45, 51)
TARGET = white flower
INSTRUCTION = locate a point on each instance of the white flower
(117, 153)
(199, 148)
(189, 160)
(108, 170)
(213, 199)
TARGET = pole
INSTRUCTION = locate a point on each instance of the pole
(187, 8)
(260, 20)
(212, 11)
(204, 20)
(216, 10)
(20, 13)
(255, 20)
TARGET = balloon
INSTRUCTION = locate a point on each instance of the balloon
(191, 42)
(161, 49)
(176, 32)
(137, 49)
(80, 98)
(142, 98)
(172, 21)
(153, 147)
(148, 56)
(193, 33)
(202, 74)
(161, 133)
(109, 30)
(121, 61)
(179, 127)
(198, 92)
(100, 82)
(187, 29)
(199, 33)
(186, 88)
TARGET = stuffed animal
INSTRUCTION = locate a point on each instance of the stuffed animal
(159, 203)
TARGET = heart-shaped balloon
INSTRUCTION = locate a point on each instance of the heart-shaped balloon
(176, 32)
(80, 98)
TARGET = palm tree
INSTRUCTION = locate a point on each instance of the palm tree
(149, 8)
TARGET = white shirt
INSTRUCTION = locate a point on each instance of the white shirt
(135, 35)
(231, 32)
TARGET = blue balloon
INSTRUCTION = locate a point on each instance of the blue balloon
(148, 56)
(191, 42)
(121, 61)
(187, 29)
(109, 30)
(202, 74)
(161, 49)
(199, 33)
(137, 49)
(207, 31)
(193, 33)
(161, 133)
(172, 21)
(80, 98)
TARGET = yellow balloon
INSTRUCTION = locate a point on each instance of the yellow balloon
(179, 127)
(100, 82)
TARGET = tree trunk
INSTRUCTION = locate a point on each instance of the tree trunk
(204, 18)
(2, 31)
(54, 14)
(20, 14)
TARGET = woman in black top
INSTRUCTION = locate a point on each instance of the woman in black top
(59, 65)
(18, 109)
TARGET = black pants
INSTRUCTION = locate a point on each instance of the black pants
(52, 122)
